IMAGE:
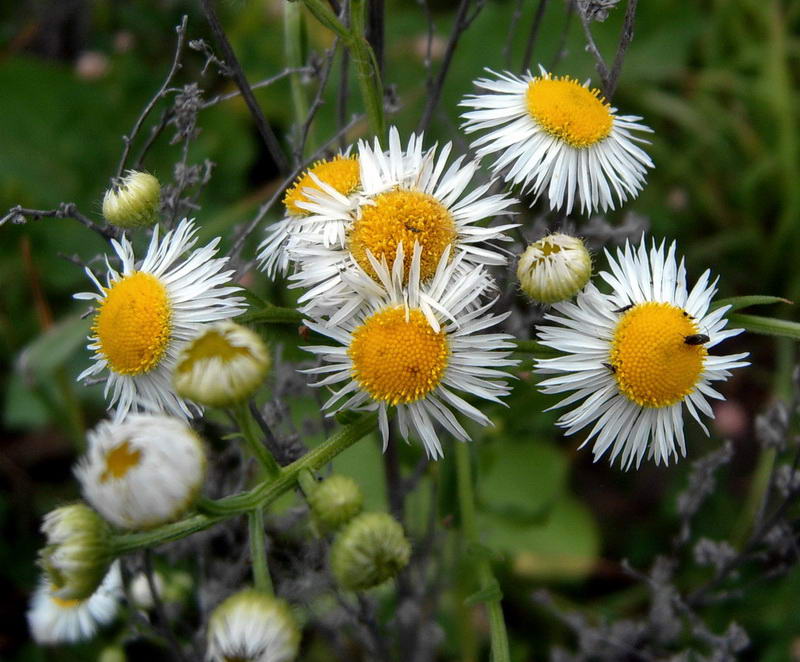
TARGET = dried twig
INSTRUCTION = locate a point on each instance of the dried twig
(19, 214)
(232, 62)
(532, 36)
(176, 65)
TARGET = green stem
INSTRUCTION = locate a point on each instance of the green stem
(253, 439)
(259, 497)
(258, 551)
(324, 15)
(292, 27)
(272, 315)
(305, 479)
(535, 348)
(369, 78)
(469, 528)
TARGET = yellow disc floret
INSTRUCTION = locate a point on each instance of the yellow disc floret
(566, 109)
(406, 216)
(653, 364)
(133, 324)
(340, 172)
(120, 460)
(397, 357)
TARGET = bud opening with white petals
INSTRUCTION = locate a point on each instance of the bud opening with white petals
(555, 268)
(224, 364)
(369, 550)
(142, 472)
(78, 551)
(252, 626)
(133, 200)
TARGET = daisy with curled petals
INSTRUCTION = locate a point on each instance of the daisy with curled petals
(147, 311)
(407, 196)
(559, 138)
(638, 356)
(410, 346)
(339, 177)
(53, 620)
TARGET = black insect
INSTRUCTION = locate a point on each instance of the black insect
(696, 339)
(623, 309)
(610, 367)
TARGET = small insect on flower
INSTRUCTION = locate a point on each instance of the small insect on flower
(147, 311)
(53, 620)
(251, 626)
(410, 346)
(554, 136)
(638, 356)
(142, 472)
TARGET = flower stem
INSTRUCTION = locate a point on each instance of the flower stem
(488, 584)
(260, 496)
(292, 26)
(258, 551)
(253, 439)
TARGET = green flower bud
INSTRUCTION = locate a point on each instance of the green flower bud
(78, 551)
(112, 654)
(224, 364)
(133, 201)
(334, 502)
(370, 549)
(253, 626)
(554, 268)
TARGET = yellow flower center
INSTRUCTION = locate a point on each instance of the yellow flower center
(211, 345)
(397, 357)
(120, 460)
(133, 324)
(406, 216)
(566, 109)
(65, 604)
(340, 172)
(653, 364)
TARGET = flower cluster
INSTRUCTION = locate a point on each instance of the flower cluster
(393, 252)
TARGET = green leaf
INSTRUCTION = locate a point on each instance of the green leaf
(53, 348)
(490, 593)
(766, 325)
(737, 303)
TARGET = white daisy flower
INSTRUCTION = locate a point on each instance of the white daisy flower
(252, 626)
(53, 620)
(147, 311)
(407, 196)
(338, 176)
(142, 472)
(637, 356)
(558, 137)
(411, 345)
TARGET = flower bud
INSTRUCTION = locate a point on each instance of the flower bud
(253, 626)
(554, 268)
(334, 502)
(112, 654)
(369, 550)
(142, 472)
(133, 201)
(78, 551)
(224, 364)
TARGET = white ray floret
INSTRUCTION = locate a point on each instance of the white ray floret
(633, 359)
(147, 311)
(334, 240)
(53, 620)
(563, 141)
(412, 345)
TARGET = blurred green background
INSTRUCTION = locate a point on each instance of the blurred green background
(718, 82)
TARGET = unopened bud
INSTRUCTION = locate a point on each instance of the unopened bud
(133, 200)
(78, 551)
(223, 365)
(334, 502)
(554, 268)
(370, 549)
